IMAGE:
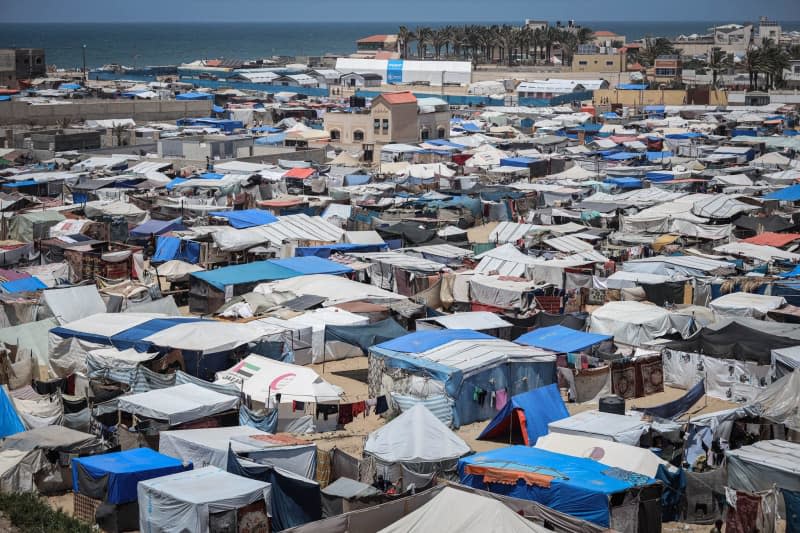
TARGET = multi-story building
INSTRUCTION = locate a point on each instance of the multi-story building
(667, 69)
(768, 30)
(30, 63)
(392, 118)
(8, 69)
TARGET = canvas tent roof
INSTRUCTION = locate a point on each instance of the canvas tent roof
(766, 463)
(415, 436)
(178, 404)
(609, 426)
(208, 446)
(183, 502)
(561, 340)
(637, 323)
(475, 513)
(615, 454)
(263, 377)
(72, 303)
(121, 471)
(576, 485)
(746, 304)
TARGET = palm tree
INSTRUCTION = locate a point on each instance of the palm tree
(550, 38)
(569, 45)
(438, 38)
(717, 60)
(404, 37)
(524, 41)
(584, 35)
(655, 48)
(507, 39)
(474, 40)
(423, 35)
(537, 39)
(752, 59)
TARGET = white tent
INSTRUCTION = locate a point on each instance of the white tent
(211, 336)
(456, 511)
(637, 323)
(416, 441)
(184, 501)
(746, 304)
(263, 379)
(73, 303)
(610, 453)
(209, 447)
(178, 404)
(625, 429)
(331, 350)
(756, 251)
(772, 159)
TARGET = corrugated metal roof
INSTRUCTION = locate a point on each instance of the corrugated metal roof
(474, 355)
(401, 260)
(510, 232)
(568, 243)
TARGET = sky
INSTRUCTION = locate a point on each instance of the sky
(392, 10)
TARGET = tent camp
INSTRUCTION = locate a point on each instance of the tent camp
(458, 365)
(475, 513)
(343, 496)
(577, 486)
(414, 445)
(201, 501)
(525, 416)
(321, 348)
(766, 463)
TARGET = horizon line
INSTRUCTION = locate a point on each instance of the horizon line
(66, 23)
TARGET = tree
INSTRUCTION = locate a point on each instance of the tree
(752, 59)
(718, 60)
(654, 48)
(438, 39)
(423, 36)
(404, 36)
(584, 35)
(507, 39)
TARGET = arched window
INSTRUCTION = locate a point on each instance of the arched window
(424, 134)
(336, 135)
(358, 135)
(440, 133)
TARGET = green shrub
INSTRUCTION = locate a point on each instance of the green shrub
(31, 514)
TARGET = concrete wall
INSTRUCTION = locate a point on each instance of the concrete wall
(141, 111)
(666, 97)
(598, 63)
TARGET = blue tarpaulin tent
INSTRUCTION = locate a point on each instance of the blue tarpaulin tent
(259, 271)
(326, 250)
(787, 194)
(421, 341)
(577, 486)
(654, 109)
(522, 162)
(312, 265)
(632, 86)
(194, 96)
(169, 248)
(562, 340)
(622, 156)
(527, 415)
(217, 109)
(365, 336)
(467, 362)
(624, 182)
(118, 473)
(659, 176)
(31, 284)
(10, 423)
(246, 219)
(134, 337)
(157, 227)
(469, 127)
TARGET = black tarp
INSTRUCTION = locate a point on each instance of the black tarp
(760, 224)
(294, 500)
(670, 292)
(520, 326)
(410, 233)
(365, 336)
(677, 407)
(734, 341)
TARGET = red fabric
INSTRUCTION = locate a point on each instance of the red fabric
(744, 518)
(359, 407)
(345, 413)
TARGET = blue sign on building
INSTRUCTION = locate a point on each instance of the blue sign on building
(394, 71)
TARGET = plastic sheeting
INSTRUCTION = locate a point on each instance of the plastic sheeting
(475, 513)
(575, 485)
(616, 454)
(626, 429)
(294, 500)
(184, 501)
(561, 339)
(73, 303)
(746, 304)
(637, 323)
(179, 404)
(119, 473)
(415, 436)
(539, 407)
(10, 422)
(205, 447)
(759, 466)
